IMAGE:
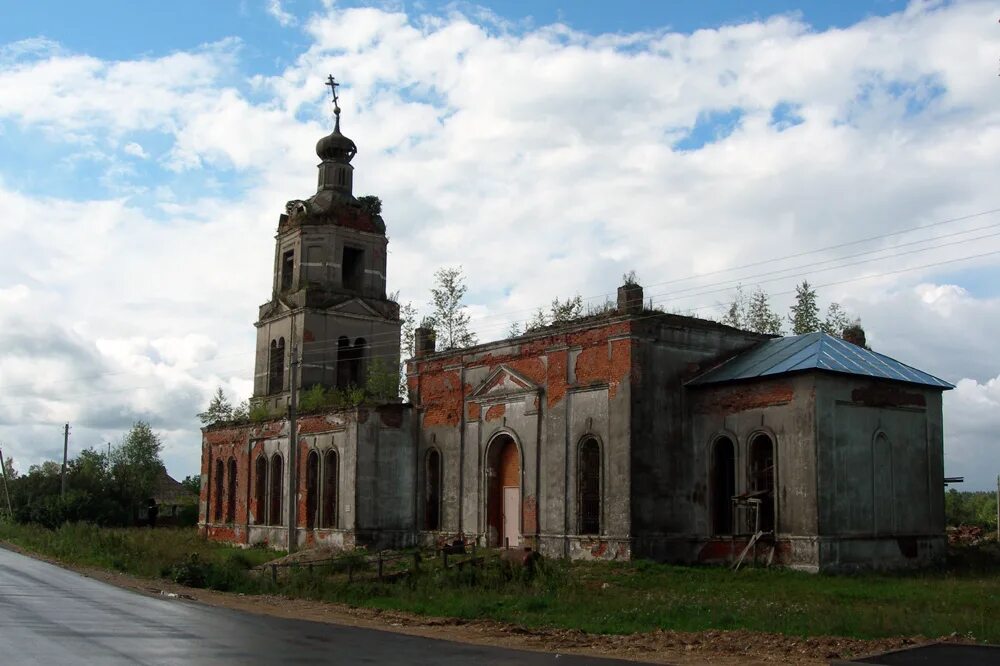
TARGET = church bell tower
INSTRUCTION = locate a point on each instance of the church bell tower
(328, 297)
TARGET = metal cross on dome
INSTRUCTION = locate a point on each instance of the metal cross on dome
(330, 81)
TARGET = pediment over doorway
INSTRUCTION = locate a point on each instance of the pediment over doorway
(502, 382)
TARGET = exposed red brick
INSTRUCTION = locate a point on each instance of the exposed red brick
(442, 396)
(475, 410)
(732, 399)
(530, 518)
(882, 395)
(496, 412)
(555, 386)
(599, 364)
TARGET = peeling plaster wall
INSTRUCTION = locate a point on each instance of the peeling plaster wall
(374, 479)
(618, 380)
(546, 391)
(784, 409)
(668, 490)
(881, 473)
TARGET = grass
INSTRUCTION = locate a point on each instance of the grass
(597, 597)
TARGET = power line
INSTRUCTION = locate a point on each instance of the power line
(661, 283)
(692, 309)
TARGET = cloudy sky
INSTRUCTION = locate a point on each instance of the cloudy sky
(546, 147)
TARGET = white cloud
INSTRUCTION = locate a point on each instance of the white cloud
(135, 150)
(279, 14)
(540, 159)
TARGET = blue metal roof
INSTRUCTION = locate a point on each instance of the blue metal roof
(815, 351)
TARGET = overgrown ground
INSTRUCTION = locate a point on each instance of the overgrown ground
(961, 598)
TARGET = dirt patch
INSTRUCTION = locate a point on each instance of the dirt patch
(662, 646)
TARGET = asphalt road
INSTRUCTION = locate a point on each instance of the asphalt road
(52, 616)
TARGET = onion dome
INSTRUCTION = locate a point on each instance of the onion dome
(336, 147)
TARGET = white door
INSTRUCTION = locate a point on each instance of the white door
(511, 516)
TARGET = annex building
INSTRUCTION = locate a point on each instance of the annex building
(624, 435)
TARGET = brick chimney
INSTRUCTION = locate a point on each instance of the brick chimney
(630, 298)
(423, 341)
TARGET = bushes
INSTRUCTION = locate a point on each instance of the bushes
(971, 508)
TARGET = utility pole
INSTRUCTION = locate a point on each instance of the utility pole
(65, 452)
(3, 469)
(293, 449)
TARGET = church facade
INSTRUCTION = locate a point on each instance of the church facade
(629, 434)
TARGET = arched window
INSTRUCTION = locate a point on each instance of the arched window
(723, 486)
(312, 480)
(231, 492)
(883, 493)
(589, 470)
(260, 490)
(218, 488)
(276, 363)
(432, 491)
(274, 516)
(762, 478)
(330, 481)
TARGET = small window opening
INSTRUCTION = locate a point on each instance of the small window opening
(274, 515)
(312, 479)
(344, 356)
(287, 267)
(276, 376)
(432, 491)
(358, 362)
(353, 268)
(723, 485)
(260, 490)
(231, 492)
(330, 478)
(590, 487)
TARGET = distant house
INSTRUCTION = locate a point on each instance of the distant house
(172, 497)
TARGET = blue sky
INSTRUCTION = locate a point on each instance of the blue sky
(147, 149)
(116, 29)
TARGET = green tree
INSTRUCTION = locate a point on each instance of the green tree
(450, 320)
(804, 315)
(135, 465)
(514, 330)
(241, 412)
(219, 409)
(568, 310)
(10, 468)
(759, 317)
(381, 382)
(407, 324)
(736, 311)
(192, 483)
(539, 320)
(836, 320)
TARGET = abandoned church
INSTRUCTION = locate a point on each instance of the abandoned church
(630, 434)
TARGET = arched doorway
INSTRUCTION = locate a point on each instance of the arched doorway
(723, 485)
(503, 501)
(762, 478)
